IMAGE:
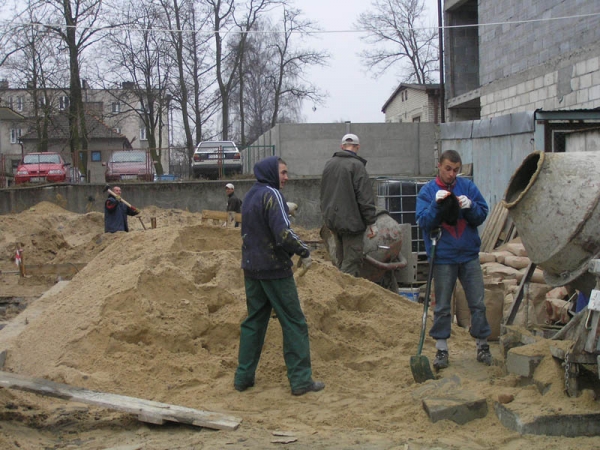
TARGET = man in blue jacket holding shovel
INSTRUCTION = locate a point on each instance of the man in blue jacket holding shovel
(456, 255)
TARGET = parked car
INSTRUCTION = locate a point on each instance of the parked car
(126, 165)
(214, 158)
(47, 167)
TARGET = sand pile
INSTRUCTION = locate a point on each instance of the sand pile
(155, 314)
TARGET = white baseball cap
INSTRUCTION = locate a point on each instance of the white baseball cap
(229, 186)
(350, 139)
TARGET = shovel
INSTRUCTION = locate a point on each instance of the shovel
(419, 364)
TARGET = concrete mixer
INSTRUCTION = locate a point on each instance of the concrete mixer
(553, 200)
(382, 254)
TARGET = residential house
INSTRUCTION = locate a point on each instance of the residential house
(111, 116)
(413, 103)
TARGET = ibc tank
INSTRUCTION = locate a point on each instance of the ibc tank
(553, 200)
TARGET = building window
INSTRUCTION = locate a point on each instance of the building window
(143, 136)
(96, 156)
(20, 103)
(42, 101)
(15, 135)
(115, 107)
(117, 130)
(63, 102)
(417, 119)
(10, 102)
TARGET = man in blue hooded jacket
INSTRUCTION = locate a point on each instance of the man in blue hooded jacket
(116, 212)
(457, 253)
(267, 248)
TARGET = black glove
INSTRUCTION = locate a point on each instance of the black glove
(135, 210)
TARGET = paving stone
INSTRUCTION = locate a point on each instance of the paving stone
(568, 425)
(520, 364)
(460, 407)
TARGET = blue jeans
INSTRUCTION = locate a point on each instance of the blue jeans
(471, 279)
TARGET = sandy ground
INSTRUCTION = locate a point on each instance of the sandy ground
(155, 314)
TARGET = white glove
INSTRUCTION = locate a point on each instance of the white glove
(292, 207)
(464, 201)
(306, 262)
(373, 230)
(441, 195)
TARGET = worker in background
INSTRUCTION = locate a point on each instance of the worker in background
(268, 243)
(348, 204)
(116, 212)
(456, 255)
(233, 203)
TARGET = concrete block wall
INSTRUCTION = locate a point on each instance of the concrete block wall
(547, 64)
(575, 85)
(391, 149)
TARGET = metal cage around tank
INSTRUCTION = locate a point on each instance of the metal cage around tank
(399, 197)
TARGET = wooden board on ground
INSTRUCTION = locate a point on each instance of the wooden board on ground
(146, 410)
(228, 217)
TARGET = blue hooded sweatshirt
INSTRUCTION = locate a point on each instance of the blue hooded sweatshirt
(459, 243)
(268, 242)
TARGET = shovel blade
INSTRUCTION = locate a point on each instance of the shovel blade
(419, 365)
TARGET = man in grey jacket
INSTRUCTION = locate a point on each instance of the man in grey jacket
(348, 204)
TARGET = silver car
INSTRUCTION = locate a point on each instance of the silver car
(215, 159)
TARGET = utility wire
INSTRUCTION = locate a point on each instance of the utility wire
(11, 24)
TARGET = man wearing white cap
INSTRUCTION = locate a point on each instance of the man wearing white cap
(348, 204)
(233, 203)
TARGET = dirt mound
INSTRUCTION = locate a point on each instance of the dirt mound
(156, 314)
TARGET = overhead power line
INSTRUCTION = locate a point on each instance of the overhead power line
(13, 25)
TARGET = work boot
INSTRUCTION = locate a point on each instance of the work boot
(314, 386)
(441, 360)
(241, 387)
(484, 356)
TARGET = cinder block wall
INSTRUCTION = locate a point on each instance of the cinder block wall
(550, 64)
(391, 149)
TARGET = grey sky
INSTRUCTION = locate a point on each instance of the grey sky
(353, 92)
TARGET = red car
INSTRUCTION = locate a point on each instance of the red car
(46, 167)
(135, 165)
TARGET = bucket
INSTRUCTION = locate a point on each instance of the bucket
(411, 294)
(553, 200)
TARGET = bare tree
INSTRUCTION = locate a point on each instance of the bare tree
(138, 58)
(398, 35)
(224, 16)
(34, 62)
(271, 87)
(81, 27)
(291, 63)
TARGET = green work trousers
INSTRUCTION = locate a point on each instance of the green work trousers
(349, 252)
(282, 296)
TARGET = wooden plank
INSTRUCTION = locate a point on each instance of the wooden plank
(220, 215)
(520, 292)
(493, 228)
(489, 226)
(146, 410)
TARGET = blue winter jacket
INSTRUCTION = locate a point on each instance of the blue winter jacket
(459, 243)
(268, 242)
